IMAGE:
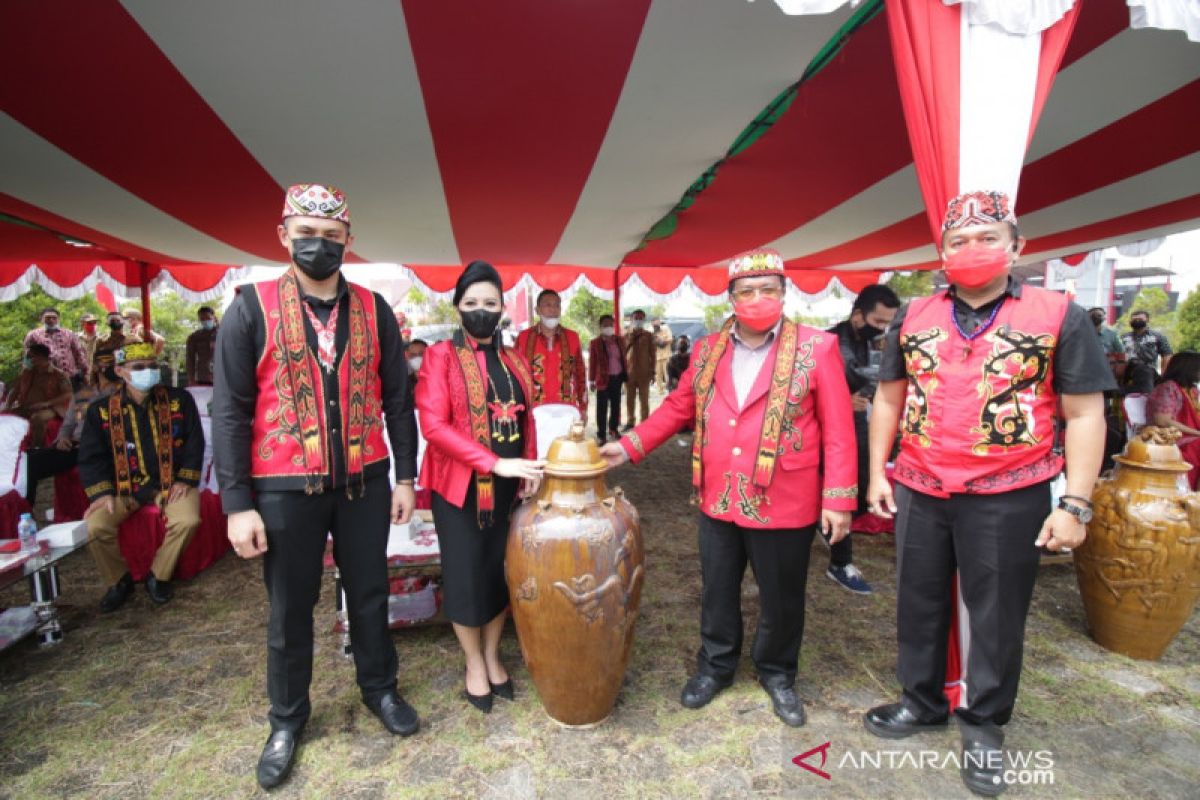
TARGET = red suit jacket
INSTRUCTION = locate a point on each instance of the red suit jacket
(598, 360)
(452, 455)
(546, 365)
(817, 466)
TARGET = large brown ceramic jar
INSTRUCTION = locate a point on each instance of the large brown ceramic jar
(574, 569)
(1139, 569)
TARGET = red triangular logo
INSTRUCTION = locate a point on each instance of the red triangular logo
(823, 749)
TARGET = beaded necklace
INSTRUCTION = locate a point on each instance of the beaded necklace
(979, 331)
(505, 427)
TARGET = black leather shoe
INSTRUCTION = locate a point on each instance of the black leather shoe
(897, 721)
(700, 690)
(117, 594)
(160, 591)
(628, 427)
(503, 690)
(397, 716)
(277, 758)
(787, 704)
(981, 767)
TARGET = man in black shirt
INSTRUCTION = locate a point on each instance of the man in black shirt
(974, 379)
(142, 445)
(309, 369)
(873, 311)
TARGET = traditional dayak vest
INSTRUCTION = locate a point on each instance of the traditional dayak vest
(979, 415)
(291, 436)
(553, 370)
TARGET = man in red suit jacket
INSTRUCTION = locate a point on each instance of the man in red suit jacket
(773, 459)
(555, 357)
(607, 370)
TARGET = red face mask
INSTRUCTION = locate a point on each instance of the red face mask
(89, 328)
(975, 267)
(759, 314)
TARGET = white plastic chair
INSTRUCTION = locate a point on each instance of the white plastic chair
(1136, 408)
(553, 420)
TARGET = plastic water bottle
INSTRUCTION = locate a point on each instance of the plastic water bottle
(27, 533)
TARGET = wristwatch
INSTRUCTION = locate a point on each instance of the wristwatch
(1081, 513)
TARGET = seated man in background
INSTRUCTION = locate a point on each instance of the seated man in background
(141, 445)
(46, 462)
(42, 393)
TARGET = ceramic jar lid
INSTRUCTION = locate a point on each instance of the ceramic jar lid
(1154, 448)
(575, 456)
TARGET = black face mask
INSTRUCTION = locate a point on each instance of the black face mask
(1097, 320)
(116, 325)
(480, 323)
(1138, 324)
(317, 257)
(869, 331)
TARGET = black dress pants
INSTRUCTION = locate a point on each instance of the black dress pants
(44, 462)
(608, 407)
(842, 553)
(297, 527)
(989, 539)
(780, 562)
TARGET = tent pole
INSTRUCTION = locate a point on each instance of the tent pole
(617, 299)
(144, 286)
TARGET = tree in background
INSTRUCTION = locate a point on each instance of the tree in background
(1187, 318)
(918, 283)
(1155, 302)
(583, 311)
(174, 319)
(18, 317)
(716, 314)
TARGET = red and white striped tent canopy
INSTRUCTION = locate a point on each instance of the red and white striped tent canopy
(624, 140)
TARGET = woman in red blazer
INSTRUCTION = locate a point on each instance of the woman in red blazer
(472, 397)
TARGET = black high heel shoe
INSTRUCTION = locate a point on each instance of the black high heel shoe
(503, 690)
(483, 702)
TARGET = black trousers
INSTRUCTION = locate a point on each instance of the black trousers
(842, 553)
(780, 562)
(608, 407)
(44, 462)
(297, 527)
(989, 539)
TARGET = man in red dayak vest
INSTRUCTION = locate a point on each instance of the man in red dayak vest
(555, 357)
(976, 379)
(773, 460)
(307, 367)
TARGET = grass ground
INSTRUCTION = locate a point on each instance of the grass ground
(170, 702)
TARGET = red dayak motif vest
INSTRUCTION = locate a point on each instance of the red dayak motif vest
(278, 449)
(979, 416)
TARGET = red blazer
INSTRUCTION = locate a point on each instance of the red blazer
(598, 361)
(452, 455)
(818, 464)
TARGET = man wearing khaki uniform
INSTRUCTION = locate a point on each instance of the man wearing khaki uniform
(641, 356)
(141, 445)
(662, 353)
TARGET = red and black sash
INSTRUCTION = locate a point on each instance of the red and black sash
(303, 372)
(476, 382)
(566, 366)
(772, 428)
(163, 442)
